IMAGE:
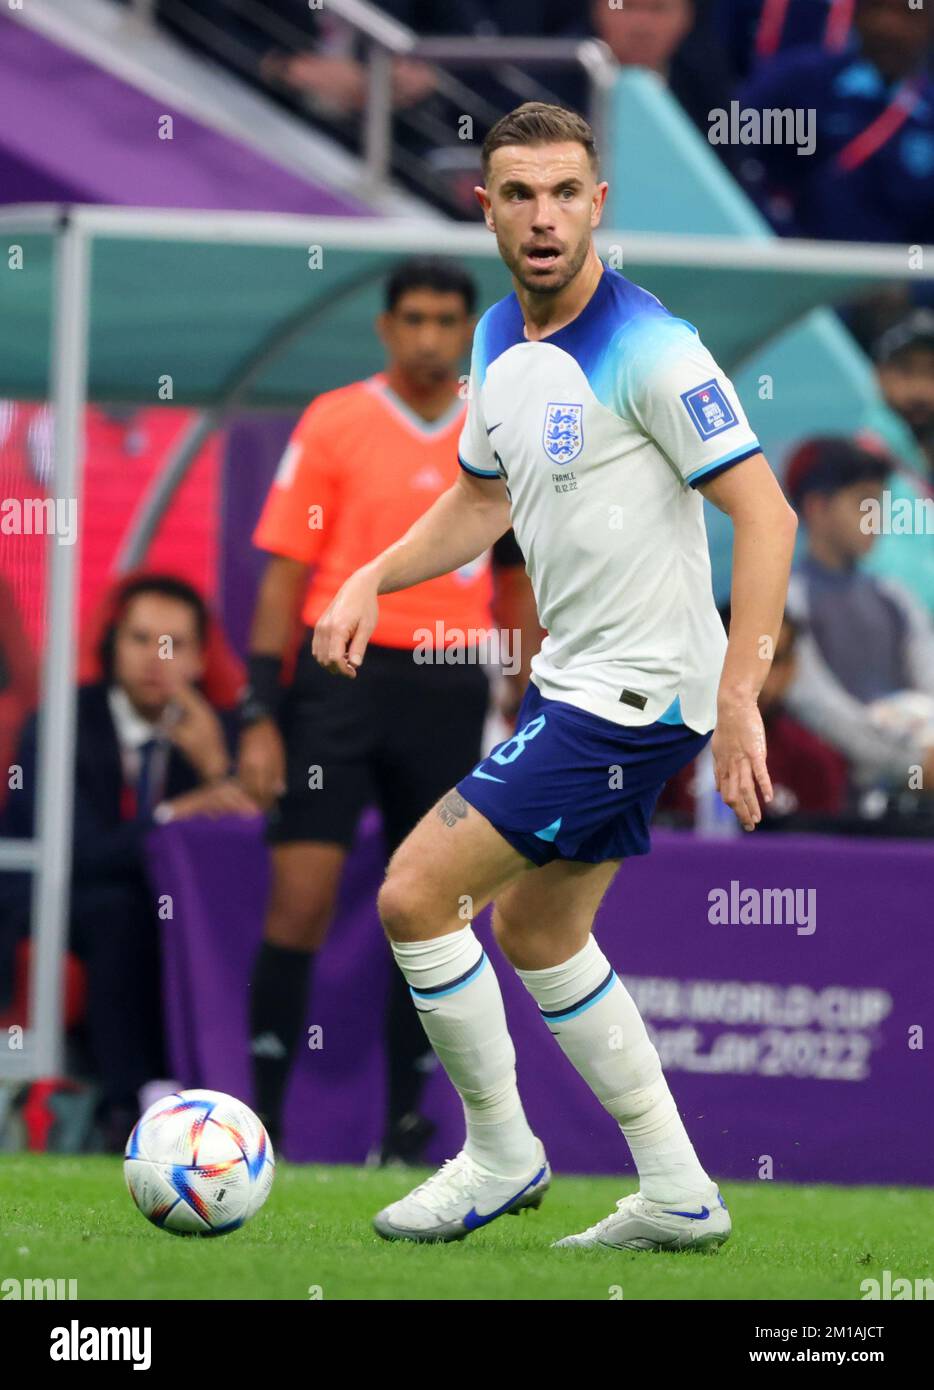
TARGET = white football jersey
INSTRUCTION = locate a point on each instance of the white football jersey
(602, 431)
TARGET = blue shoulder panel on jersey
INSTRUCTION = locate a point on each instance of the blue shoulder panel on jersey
(623, 324)
(619, 318)
(499, 329)
(591, 339)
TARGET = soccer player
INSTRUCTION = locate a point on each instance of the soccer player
(363, 463)
(596, 420)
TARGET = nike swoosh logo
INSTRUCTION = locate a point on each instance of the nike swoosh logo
(425, 1011)
(701, 1215)
(486, 776)
(472, 1220)
(494, 427)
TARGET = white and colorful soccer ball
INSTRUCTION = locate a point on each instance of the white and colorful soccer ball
(199, 1163)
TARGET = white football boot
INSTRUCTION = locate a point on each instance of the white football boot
(461, 1197)
(638, 1224)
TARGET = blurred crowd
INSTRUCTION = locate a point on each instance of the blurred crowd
(860, 167)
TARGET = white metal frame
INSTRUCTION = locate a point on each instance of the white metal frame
(49, 855)
(398, 235)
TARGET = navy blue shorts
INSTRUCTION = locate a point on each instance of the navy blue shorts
(570, 785)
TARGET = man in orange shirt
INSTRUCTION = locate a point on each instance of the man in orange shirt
(363, 463)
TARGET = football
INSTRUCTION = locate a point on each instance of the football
(199, 1163)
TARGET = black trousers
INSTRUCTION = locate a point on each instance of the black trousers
(114, 931)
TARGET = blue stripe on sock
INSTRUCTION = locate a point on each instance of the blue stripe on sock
(584, 1003)
(452, 986)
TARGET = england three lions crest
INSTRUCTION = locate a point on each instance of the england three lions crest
(563, 435)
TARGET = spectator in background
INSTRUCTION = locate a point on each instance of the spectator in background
(18, 691)
(489, 19)
(809, 778)
(904, 357)
(302, 52)
(149, 749)
(18, 681)
(673, 39)
(454, 162)
(865, 677)
(870, 176)
(756, 30)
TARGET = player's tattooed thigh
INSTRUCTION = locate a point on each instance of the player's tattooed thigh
(452, 808)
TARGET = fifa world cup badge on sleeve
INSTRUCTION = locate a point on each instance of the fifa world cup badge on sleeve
(710, 411)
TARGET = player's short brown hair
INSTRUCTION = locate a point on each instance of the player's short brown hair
(538, 123)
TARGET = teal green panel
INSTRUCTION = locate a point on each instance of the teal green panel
(663, 175)
(738, 309)
(25, 315)
(193, 313)
(199, 313)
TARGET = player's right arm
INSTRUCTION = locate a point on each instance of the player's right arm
(463, 523)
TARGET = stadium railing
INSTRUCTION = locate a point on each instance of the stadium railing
(382, 40)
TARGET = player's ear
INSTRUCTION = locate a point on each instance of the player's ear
(599, 202)
(483, 198)
(381, 324)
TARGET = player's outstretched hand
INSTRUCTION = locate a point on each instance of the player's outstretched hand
(343, 630)
(738, 747)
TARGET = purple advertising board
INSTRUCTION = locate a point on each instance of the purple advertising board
(785, 981)
(85, 136)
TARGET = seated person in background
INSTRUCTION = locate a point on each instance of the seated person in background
(903, 424)
(904, 358)
(149, 749)
(18, 684)
(755, 30)
(536, 19)
(865, 677)
(293, 46)
(495, 88)
(672, 39)
(808, 776)
(862, 167)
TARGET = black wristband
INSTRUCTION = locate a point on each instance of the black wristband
(260, 698)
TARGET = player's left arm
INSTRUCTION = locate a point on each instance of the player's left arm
(516, 615)
(764, 528)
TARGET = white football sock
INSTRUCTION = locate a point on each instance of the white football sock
(599, 1029)
(457, 995)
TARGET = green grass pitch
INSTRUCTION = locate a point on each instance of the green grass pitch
(72, 1218)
